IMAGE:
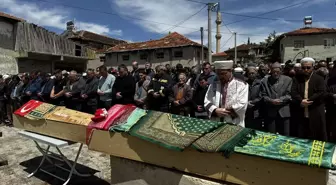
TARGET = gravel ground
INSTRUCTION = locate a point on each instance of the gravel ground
(23, 158)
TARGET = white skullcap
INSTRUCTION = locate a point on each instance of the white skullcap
(64, 72)
(84, 74)
(52, 77)
(5, 77)
(238, 70)
(308, 59)
(226, 64)
(297, 65)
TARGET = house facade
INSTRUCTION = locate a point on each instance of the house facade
(171, 49)
(25, 47)
(98, 43)
(220, 56)
(318, 43)
(247, 53)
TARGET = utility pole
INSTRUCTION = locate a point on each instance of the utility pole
(235, 45)
(202, 52)
(209, 33)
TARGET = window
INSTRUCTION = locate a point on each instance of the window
(160, 55)
(125, 57)
(178, 54)
(329, 43)
(143, 56)
(299, 44)
(78, 50)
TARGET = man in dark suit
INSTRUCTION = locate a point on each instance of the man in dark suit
(309, 92)
(275, 90)
(89, 93)
(73, 90)
(124, 87)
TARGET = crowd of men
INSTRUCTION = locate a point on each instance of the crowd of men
(294, 100)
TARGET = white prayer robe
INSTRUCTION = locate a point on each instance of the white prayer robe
(236, 98)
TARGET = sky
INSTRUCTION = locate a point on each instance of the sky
(142, 20)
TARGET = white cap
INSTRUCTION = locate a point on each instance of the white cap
(238, 70)
(297, 65)
(84, 74)
(308, 59)
(64, 72)
(5, 77)
(226, 64)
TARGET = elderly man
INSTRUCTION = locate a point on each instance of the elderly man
(253, 117)
(227, 99)
(89, 93)
(275, 90)
(308, 92)
(73, 90)
(135, 71)
(180, 96)
(105, 85)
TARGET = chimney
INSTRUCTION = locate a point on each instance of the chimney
(70, 26)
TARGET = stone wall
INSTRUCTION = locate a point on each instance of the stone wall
(6, 34)
(8, 61)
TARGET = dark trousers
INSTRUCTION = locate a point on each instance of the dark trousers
(90, 109)
(104, 104)
(2, 111)
(278, 125)
(73, 104)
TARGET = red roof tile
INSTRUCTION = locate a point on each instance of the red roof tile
(172, 40)
(310, 31)
(2, 14)
(86, 35)
(221, 54)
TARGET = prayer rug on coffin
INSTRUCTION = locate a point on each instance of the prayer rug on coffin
(40, 111)
(172, 131)
(63, 114)
(132, 119)
(224, 139)
(117, 115)
(302, 151)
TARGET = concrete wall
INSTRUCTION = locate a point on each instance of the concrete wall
(28, 65)
(6, 34)
(314, 44)
(189, 57)
(8, 61)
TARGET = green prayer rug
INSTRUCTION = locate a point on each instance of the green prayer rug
(40, 111)
(278, 147)
(135, 116)
(172, 131)
(224, 139)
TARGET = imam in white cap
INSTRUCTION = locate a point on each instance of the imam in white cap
(226, 64)
(238, 70)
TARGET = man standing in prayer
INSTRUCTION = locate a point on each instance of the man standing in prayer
(124, 87)
(207, 73)
(89, 93)
(135, 71)
(72, 91)
(104, 91)
(180, 96)
(141, 89)
(275, 90)
(253, 117)
(227, 99)
(308, 92)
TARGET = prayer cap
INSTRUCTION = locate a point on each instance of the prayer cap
(297, 65)
(238, 70)
(308, 59)
(226, 64)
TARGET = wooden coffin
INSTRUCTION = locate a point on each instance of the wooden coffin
(238, 169)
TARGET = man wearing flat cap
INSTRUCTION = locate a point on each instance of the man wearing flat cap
(275, 91)
(308, 93)
(226, 99)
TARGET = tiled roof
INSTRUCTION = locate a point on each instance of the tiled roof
(242, 47)
(310, 31)
(172, 40)
(2, 14)
(86, 35)
(221, 54)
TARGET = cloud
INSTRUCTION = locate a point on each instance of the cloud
(51, 17)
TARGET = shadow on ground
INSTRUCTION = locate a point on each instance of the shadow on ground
(33, 163)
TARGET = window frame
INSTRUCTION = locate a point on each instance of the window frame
(124, 59)
(178, 52)
(299, 44)
(158, 55)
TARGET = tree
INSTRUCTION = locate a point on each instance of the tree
(271, 47)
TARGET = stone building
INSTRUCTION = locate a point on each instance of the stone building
(171, 49)
(247, 53)
(319, 43)
(25, 47)
(98, 43)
